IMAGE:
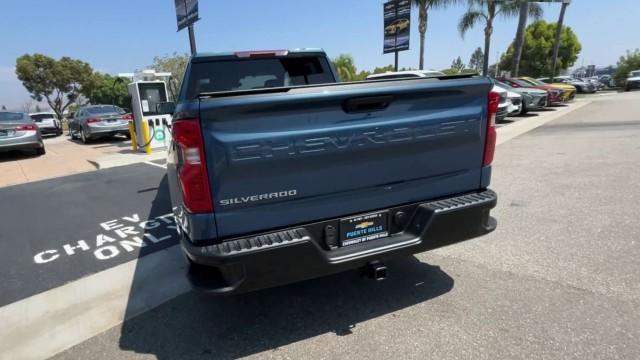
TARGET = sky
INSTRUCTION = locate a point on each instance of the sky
(124, 35)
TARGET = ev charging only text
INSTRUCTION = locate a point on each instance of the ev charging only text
(116, 237)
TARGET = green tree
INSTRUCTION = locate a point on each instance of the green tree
(107, 89)
(486, 11)
(362, 75)
(384, 69)
(450, 71)
(423, 16)
(626, 64)
(527, 9)
(59, 82)
(4, 108)
(344, 67)
(475, 63)
(457, 64)
(537, 51)
(176, 65)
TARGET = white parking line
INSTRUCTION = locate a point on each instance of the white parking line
(154, 164)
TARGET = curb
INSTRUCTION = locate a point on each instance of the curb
(516, 129)
(109, 161)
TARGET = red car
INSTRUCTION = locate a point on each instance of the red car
(554, 94)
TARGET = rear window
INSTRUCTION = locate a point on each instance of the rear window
(241, 74)
(12, 116)
(42, 116)
(108, 109)
(521, 83)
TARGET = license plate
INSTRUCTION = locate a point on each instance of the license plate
(4, 133)
(361, 228)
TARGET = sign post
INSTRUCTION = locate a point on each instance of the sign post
(186, 15)
(397, 27)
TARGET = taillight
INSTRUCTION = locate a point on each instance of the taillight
(261, 54)
(490, 139)
(92, 120)
(127, 117)
(28, 127)
(192, 171)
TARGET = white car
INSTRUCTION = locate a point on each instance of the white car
(48, 123)
(514, 100)
(406, 74)
(633, 81)
(503, 105)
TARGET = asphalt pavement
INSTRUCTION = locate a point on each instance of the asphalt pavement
(60, 230)
(558, 279)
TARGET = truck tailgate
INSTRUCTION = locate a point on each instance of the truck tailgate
(312, 153)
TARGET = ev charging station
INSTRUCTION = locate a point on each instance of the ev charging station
(151, 128)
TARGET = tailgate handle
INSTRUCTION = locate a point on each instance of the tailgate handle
(367, 104)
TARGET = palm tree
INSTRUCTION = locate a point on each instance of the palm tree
(527, 9)
(486, 10)
(423, 16)
(556, 43)
(343, 65)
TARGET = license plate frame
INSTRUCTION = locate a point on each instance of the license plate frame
(363, 228)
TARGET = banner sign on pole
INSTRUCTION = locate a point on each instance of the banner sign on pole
(397, 25)
(186, 12)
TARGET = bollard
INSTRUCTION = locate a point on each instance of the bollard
(145, 137)
(132, 134)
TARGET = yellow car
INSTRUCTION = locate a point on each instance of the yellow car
(569, 91)
(396, 26)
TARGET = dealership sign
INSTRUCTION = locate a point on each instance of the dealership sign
(186, 12)
(397, 25)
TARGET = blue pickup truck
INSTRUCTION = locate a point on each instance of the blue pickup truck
(279, 172)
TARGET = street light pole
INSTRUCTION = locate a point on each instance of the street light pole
(192, 39)
(556, 45)
(395, 43)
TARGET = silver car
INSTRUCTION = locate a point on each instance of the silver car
(98, 121)
(532, 99)
(19, 132)
(48, 123)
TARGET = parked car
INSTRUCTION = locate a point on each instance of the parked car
(632, 81)
(97, 121)
(554, 94)
(514, 100)
(503, 103)
(607, 80)
(595, 81)
(19, 132)
(568, 91)
(582, 87)
(532, 98)
(272, 184)
(48, 123)
(405, 74)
